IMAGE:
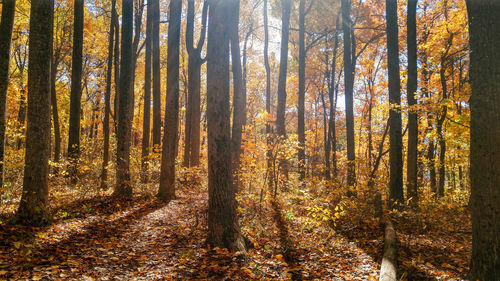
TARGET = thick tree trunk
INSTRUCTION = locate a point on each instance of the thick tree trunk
(107, 96)
(33, 207)
(484, 28)
(349, 82)
(8, 11)
(389, 267)
(411, 170)
(285, 30)
(193, 113)
(156, 75)
(146, 123)
(302, 92)
(194, 146)
(395, 136)
(223, 228)
(125, 109)
(76, 88)
(166, 191)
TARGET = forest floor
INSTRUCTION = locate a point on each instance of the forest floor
(104, 238)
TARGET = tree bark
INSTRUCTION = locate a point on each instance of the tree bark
(485, 138)
(76, 88)
(33, 207)
(395, 136)
(389, 268)
(117, 70)
(125, 109)
(302, 92)
(412, 84)
(8, 12)
(285, 31)
(146, 123)
(268, 96)
(156, 75)
(55, 112)
(193, 113)
(333, 95)
(349, 85)
(107, 96)
(138, 11)
(166, 191)
(239, 100)
(223, 228)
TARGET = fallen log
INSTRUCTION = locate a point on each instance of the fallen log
(388, 269)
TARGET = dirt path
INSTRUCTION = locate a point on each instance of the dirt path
(144, 239)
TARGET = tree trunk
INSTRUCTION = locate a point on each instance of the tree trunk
(223, 228)
(156, 75)
(193, 113)
(333, 107)
(21, 117)
(33, 207)
(167, 176)
(395, 136)
(285, 30)
(349, 83)
(107, 96)
(146, 123)
(76, 89)
(8, 11)
(302, 92)
(485, 137)
(117, 70)
(239, 100)
(268, 97)
(138, 11)
(440, 123)
(55, 112)
(411, 170)
(125, 109)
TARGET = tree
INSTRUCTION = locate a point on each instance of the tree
(146, 123)
(107, 95)
(349, 85)
(117, 70)
(239, 97)
(411, 170)
(76, 86)
(285, 30)
(331, 145)
(156, 75)
(395, 136)
(484, 28)
(167, 176)
(60, 51)
(302, 91)
(8, 11)
(193, 114)
(223, 228)
(33, 207)
(268, 93)
(125, 109)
